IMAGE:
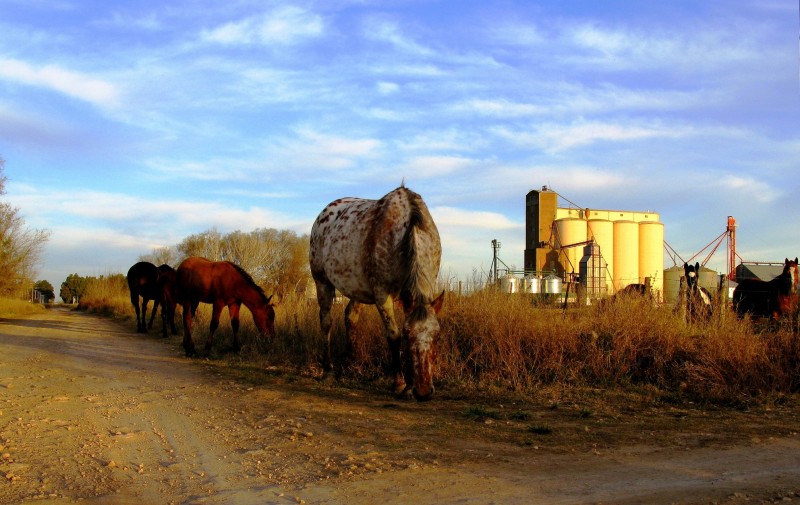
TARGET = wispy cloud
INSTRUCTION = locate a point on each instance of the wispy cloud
(56, 78)
(284, 25)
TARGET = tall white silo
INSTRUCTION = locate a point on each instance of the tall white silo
(626, 254)
(651, 255)
(570, 231)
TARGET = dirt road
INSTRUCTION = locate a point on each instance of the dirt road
(91, 412)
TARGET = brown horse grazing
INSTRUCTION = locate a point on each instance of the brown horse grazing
(698, 299)
(375, 251)
(167, 278)
(772, 299)
(143, 281)
(222, 284)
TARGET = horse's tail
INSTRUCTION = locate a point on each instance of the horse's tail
(421, 251)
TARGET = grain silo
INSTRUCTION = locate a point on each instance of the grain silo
(602, 232)
(651, 255)
(626, 254)
(570, 231)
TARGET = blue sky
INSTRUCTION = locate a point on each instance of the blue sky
(129, 125)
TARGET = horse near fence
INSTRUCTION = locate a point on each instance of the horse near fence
(770, 299)
(698, 299)
(375, 252)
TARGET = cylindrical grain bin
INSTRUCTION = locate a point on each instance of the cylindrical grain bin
(532, 284)
(672, 283)
(509, 284)
(709, 279)
(552, 284)
(570, 230)
(626, 254)
(602, 231)
(651, 255)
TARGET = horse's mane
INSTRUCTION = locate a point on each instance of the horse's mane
(417, 286)
(248, 278)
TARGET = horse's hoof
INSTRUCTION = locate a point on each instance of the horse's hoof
(405, 394)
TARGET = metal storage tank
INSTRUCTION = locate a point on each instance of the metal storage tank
(709, 279)
(626, 254)
(532, 284)
(672, 283)
(509, 284)
(570, 231)
(552, 284)
(651, 255)
(602, 231)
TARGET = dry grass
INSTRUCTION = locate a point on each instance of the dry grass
(11, 307)
(491, 341)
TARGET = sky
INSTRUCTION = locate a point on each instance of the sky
(127, 126)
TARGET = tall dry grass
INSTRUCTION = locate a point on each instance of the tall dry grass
(491, 340)
(11, 307)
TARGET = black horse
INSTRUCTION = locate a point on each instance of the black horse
(698, 299)
(149, 282)
(143, 282)
(772, 299)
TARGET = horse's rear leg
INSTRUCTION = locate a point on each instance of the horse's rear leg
(135, 303)
(153, 313)
(188, 345)
(216, 311)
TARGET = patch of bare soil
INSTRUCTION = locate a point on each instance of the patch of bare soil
(92, 412)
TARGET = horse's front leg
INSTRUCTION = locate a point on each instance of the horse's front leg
(216, 311)
(386, 310)
(188, 345)
(233, 313)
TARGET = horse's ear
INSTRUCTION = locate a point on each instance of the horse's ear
(697, 267)
(437, 303)
(269, 299)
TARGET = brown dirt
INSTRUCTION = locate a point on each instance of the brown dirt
(92, 412)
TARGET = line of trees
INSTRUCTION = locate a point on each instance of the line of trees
(276, 259)
(20, 248)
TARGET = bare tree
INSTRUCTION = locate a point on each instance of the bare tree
(20, 248)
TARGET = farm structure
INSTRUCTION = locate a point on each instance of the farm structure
(604, 250)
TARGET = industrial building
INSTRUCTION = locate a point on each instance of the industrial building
(605, 249)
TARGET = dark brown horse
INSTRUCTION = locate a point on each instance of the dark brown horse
(222, 284)
(375, 252)
(167, 279)
(772, 299)
(698, 299)
(143, 282)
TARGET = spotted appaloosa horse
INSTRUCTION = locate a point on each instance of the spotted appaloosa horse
(143, 281)
(373, 252)
(772, 299)
(698, 299)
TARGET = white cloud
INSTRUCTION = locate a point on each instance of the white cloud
(74, 84)
(285, 25)
(452, 217)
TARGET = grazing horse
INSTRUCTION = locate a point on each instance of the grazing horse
(167, 278)
(374, 252)
(143, 281)
(222, 284)
(771, 299)
(698, 299)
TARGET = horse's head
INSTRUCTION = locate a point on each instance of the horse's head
(790, 267)
(691, 272)
(421, 329)
(264, 317)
